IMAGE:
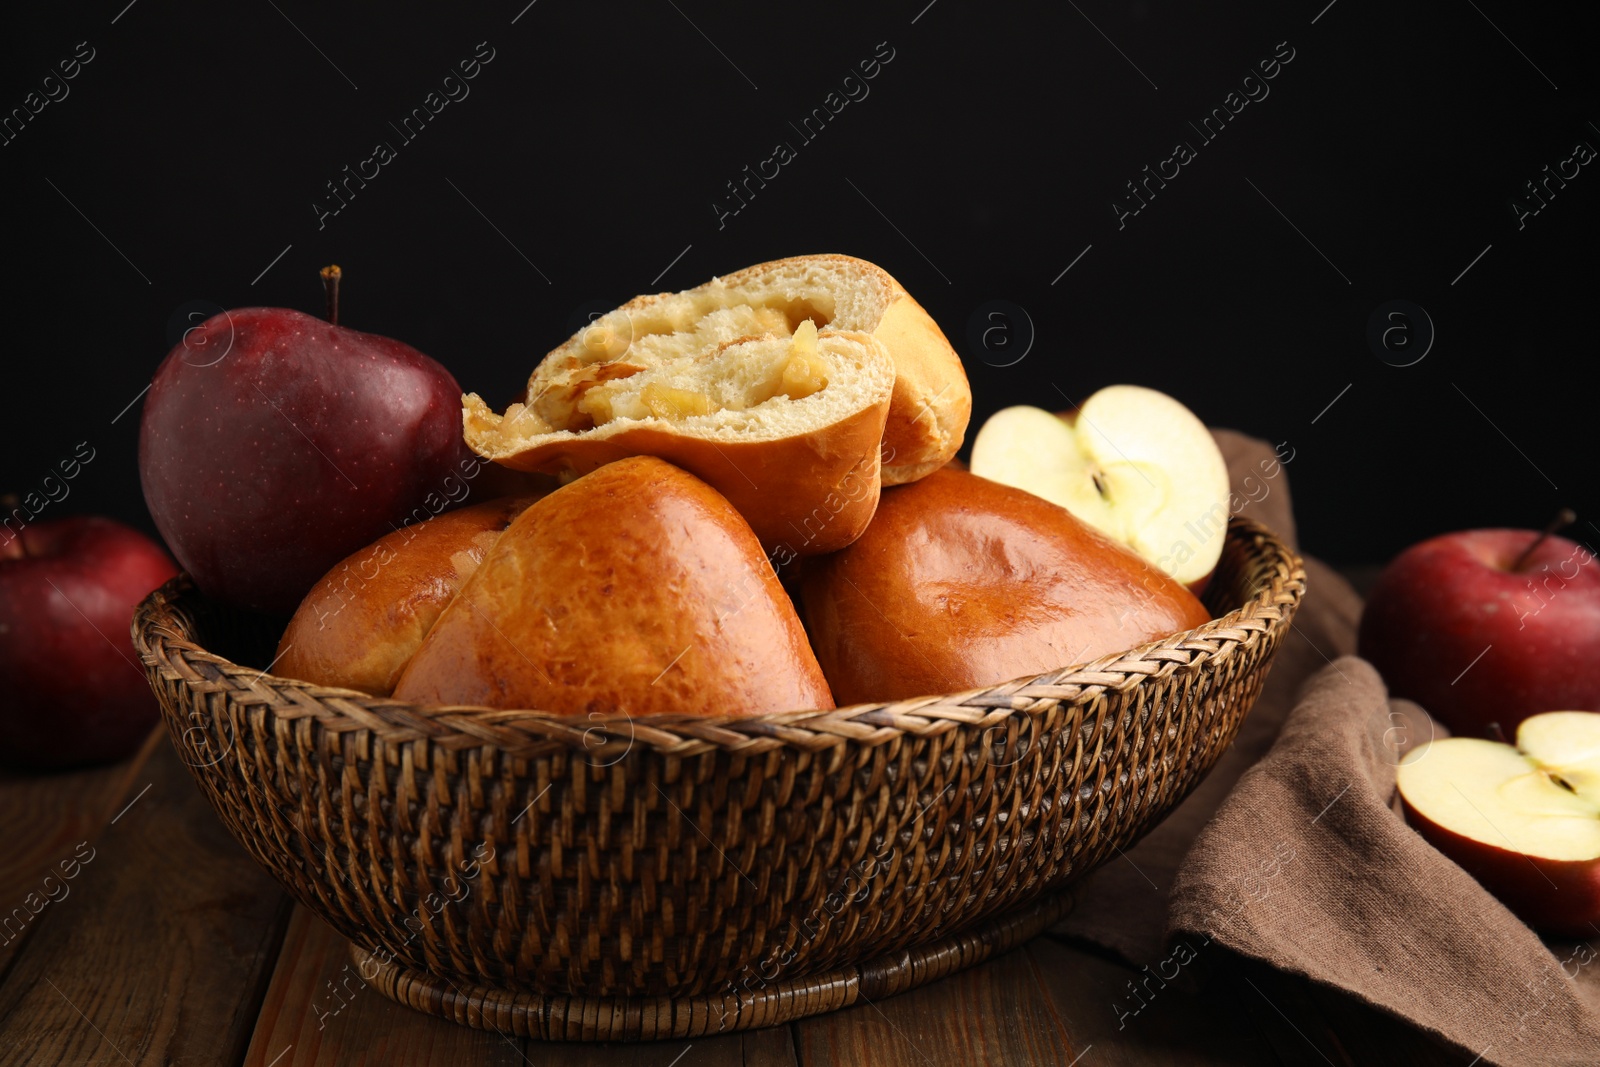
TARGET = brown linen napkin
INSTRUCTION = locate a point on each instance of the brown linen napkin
(1307, 867)
(1123, 906)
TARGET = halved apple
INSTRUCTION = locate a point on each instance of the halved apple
(1132, 462)
(1524, 821)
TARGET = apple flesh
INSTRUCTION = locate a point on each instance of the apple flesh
(1525, 821)
(1132, 462)
(1451, 625)
(274, 444)
(75, 693)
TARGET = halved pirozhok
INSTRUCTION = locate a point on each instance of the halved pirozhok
(786, 427)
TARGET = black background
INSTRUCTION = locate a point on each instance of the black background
(984, 160)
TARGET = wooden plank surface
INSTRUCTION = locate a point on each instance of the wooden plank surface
(773, 1047)
(317, 1012)
(724, 1051)
(997, 1012)
(51, 824)
(163, 957)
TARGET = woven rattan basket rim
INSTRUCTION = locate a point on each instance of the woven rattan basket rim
(162, 636)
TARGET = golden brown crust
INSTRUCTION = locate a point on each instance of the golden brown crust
(363, 621)
(960, 582)
(926, 409)
(636, 588)
(932, 401)
(802, 495)
(803, 490)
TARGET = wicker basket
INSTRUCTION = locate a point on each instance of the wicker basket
(613, 879)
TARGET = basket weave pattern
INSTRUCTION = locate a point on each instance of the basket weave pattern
(679, 856)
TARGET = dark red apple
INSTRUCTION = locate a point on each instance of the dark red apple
(1470, 629)
(75, 693)
(274, 444)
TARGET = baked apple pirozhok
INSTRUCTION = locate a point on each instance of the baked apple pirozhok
(961, 582)
(361, 624)
(797, 459)
(634, 590)
(777, 422)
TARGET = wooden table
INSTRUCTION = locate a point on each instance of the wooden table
(137, 931)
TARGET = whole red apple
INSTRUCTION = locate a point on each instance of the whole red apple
(274, 444)
(1480, 630)
(75, 693)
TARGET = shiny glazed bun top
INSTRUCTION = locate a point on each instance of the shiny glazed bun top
(635, 589)
(960, 582)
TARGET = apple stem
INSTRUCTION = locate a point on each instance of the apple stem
(1564, 518)
(330, 287)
